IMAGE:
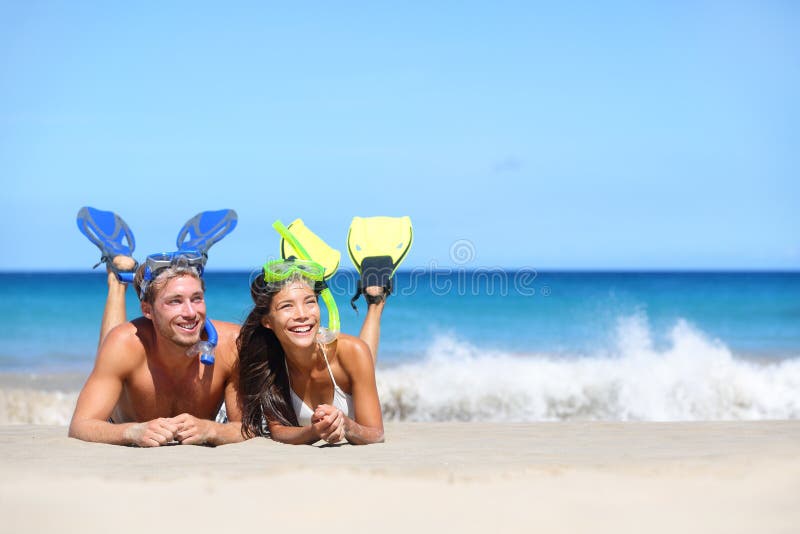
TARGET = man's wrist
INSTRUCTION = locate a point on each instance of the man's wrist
(128, 434)
(212, 437)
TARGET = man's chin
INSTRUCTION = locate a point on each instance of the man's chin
(185, 341)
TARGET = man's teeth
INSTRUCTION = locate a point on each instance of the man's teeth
(188, 326)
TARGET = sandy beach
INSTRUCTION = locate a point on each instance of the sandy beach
(466, 477)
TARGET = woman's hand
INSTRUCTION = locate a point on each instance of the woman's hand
(328, 423)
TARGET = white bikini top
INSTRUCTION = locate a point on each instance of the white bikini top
(341, 400)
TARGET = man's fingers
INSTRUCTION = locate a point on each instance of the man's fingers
(164, 434)
(162, 437)
(185, 433)
(169, 425)
(191, 440)
(161, 431)
(180, 419)
(150, 441)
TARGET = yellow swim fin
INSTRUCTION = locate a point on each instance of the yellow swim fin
(317, 249)
(377, 247)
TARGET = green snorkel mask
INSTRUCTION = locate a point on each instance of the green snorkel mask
(280, 270)
(305, 266)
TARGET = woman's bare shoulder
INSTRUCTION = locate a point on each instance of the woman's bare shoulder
(353, 353)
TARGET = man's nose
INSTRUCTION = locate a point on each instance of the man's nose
(188, 309)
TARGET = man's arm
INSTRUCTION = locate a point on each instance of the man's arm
(99, 396)
(194, 431)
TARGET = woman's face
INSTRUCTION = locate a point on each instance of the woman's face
(294, 315)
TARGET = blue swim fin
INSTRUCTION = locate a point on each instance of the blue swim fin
(205, 229)
(108, 232)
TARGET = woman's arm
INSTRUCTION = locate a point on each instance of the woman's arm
(293, 435)
(361, 434)
(324, 427)
(367, 425)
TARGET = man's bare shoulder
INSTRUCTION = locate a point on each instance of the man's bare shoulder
(125, 346)
(224, 328)
(226, 345)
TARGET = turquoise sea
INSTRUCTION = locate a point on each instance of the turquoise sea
(504, 345)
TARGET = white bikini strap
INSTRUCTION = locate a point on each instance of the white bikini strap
(325, 355)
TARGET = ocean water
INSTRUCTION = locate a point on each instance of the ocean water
(484, 345)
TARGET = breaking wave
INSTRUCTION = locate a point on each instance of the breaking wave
(692, 378)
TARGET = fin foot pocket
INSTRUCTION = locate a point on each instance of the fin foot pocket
(111, 235)
(377, 247)
(205, 229)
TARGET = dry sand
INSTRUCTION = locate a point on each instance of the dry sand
(539, 477)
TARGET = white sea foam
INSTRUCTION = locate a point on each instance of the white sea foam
(693, 378)
(30, 406)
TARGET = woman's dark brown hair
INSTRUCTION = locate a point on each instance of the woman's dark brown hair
(264, 393)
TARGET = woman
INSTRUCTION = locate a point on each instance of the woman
(285, 369)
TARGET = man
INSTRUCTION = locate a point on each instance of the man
(144, 390)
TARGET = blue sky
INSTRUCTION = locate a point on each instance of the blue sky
(572, 135)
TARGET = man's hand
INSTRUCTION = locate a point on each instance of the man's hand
(151, 433)
(192, 431)
(328, 423)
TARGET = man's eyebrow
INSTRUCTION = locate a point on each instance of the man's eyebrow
(173, 295)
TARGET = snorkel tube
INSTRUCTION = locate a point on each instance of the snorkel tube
(206, 348)
(325, 335)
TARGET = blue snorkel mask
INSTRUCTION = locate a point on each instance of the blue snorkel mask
(154, 265)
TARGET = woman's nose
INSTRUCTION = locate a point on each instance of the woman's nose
(302, 311)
